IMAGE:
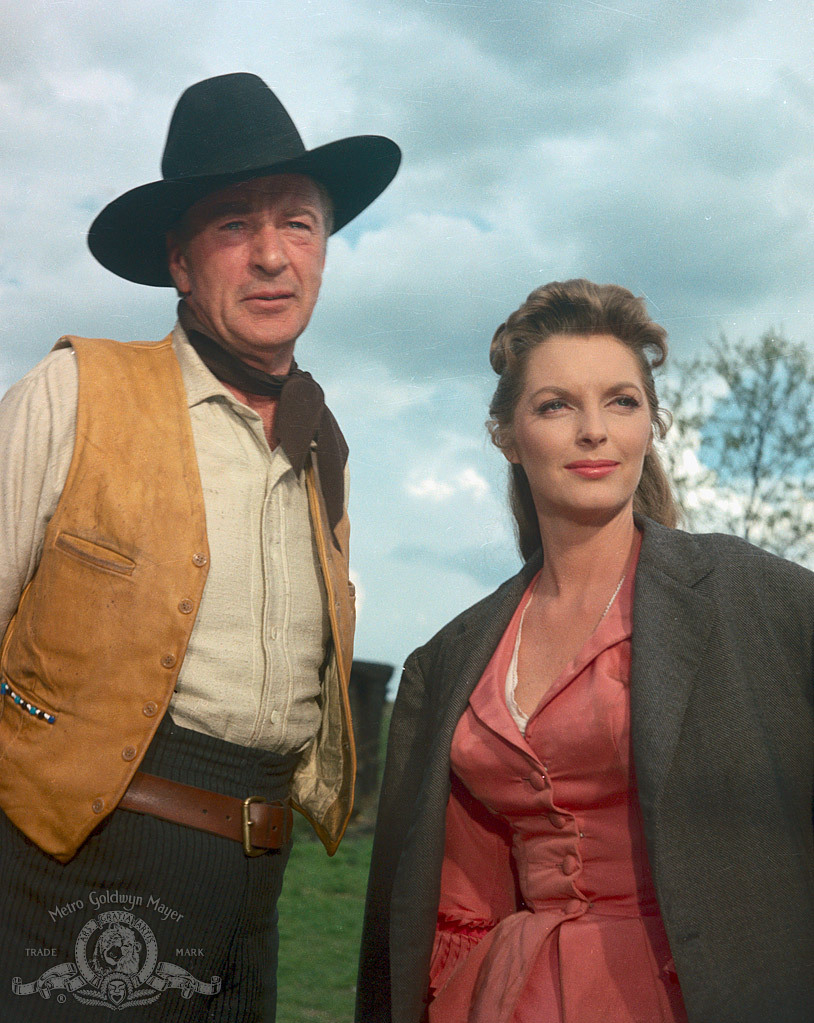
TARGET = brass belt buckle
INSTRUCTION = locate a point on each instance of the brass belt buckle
(248, 848)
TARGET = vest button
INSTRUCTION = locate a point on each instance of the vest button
(150, 709)
(168, 660)
(186, 607)
(97, 805)
(129, 753)
(199, 559)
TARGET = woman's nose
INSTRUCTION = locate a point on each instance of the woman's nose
(592, 429)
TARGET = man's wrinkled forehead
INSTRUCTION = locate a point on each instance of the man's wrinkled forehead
(293, 190)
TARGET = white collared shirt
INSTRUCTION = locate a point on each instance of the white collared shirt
(251, 674)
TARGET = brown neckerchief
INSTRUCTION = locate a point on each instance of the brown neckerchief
(302, 415)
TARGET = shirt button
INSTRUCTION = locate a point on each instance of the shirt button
(129, 753)
(570, 865)
(185, 607)
(557, 820)
(199, 560)
(537, 781)
(150, 709)
(168, 660)
(97, 805)
(573, 906)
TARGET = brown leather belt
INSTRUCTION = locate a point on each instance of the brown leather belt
(257, 824)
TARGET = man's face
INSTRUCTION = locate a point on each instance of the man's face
(249, 261)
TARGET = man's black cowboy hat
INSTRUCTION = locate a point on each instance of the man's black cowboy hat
(225, 130)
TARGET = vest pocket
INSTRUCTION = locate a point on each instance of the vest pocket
(95, 554)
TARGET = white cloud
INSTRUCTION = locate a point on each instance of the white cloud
(467, 481)
(664, 146)
(430, 489)
(470, 481)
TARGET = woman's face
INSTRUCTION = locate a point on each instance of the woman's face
(582, 427)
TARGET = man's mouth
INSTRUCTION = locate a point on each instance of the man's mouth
(268, 296)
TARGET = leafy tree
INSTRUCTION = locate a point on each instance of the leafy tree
(741, 454)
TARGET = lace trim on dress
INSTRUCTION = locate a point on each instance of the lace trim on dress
(454, 939)
(520, 719)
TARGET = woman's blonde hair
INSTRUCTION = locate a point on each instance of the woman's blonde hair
(581, 308)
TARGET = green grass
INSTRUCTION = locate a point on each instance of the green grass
(321, 919)
(320, 925)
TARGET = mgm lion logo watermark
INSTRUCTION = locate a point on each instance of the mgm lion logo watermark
(116, 966)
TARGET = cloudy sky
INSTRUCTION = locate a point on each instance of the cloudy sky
(667, 145)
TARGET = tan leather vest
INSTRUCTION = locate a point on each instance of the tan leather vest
(101, 631)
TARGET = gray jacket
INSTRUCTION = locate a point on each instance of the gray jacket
(722, 695)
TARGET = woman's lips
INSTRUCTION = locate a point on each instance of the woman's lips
(592, 469)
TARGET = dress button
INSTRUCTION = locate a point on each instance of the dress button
(537, 781)
(557, 820)
(185, 607)
(199, 560)
(150, 709)
(570, 865)
(129, 753)
(573, 906)
(97, 805)
(168, 660)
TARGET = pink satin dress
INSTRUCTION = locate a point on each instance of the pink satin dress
(548, 912)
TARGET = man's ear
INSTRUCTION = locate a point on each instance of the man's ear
(177, 264)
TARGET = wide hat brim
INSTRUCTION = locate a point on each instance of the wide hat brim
(129, 236)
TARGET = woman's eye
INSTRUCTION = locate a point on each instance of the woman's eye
(554, 405)
(628, 401)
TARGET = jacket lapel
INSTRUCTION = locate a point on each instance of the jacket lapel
(478, 638)
(671, 627)
(459, 660)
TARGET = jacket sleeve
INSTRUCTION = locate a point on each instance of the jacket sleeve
(407, 752)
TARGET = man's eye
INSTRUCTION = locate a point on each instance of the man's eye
(233, 225)
(300, 225)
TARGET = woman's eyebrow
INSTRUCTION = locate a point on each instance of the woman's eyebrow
(564, 392)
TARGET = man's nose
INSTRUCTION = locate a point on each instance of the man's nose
(268, 252)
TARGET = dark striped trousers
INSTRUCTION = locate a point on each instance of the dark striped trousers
(162, 922)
